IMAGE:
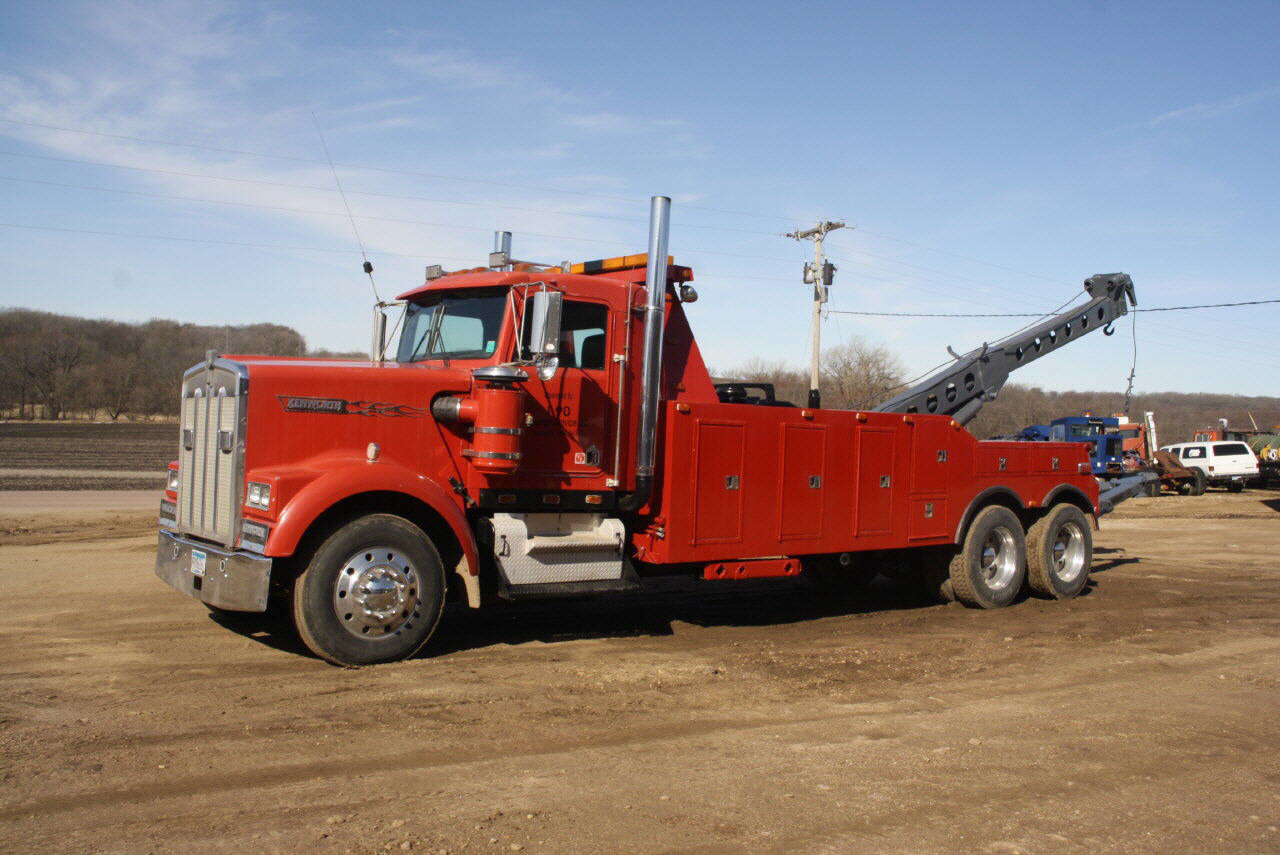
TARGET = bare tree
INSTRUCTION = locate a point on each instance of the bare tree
(857, 375)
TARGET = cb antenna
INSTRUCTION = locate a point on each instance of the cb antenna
(368, 265)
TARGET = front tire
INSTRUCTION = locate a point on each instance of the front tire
(373, 592)
(989, 569)
(1200, 484)
(1059, 553)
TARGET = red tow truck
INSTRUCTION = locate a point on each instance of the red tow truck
(553, 431)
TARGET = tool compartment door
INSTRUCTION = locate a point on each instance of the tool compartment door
(719, 460)
(801, 487)
(873, 508)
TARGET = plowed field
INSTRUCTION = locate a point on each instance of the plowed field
(85, 455)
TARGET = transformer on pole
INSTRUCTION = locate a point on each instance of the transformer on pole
(820, 273)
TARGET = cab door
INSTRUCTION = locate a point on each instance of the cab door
(569, 431)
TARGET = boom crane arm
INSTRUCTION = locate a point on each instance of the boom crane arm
(962, 388)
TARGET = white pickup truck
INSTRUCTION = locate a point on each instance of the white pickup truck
(1224, 464)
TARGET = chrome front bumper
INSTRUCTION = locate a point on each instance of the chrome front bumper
(236, 581)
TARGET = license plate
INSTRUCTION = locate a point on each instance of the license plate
(197, 562)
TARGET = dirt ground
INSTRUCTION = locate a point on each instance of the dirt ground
(1141, 717)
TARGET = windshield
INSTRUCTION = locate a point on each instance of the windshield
(457, 325)
(1082, 430)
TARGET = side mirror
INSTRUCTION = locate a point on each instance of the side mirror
(542, 316)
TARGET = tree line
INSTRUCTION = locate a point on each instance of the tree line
(59, 367)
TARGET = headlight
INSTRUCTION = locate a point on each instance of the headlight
(173, 480)
(259, 495)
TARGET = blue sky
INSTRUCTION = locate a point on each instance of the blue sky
(990, 156)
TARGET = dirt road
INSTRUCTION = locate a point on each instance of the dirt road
(1142, 717)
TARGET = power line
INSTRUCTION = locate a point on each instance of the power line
(1037, 314)
(411, 197)
(402, 220)
(539, 188)
(215, 241)
(1207, 306)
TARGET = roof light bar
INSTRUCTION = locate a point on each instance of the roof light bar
(621, 262)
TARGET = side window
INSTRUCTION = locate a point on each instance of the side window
(1230, 448)
(1192, 452)
(582, 335)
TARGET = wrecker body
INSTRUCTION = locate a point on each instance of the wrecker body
(554, 431)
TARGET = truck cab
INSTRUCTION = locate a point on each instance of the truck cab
(1106, 438)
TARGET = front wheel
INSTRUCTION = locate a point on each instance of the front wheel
(373, 592)
(1200, 483)
(1059, 553)
(991, 565)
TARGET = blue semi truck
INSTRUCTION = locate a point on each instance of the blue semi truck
(1103, 433)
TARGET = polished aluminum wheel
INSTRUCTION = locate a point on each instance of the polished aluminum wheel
(1068, 552)
(376, 593)
(999, 558)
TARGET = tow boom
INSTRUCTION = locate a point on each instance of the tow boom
(962, 388)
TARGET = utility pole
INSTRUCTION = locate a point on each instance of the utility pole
(820, 274)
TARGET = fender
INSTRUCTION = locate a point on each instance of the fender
(1060, 492)
(984, 498)
(351, 477)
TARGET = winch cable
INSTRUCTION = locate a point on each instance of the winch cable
(368, 265)
(1133, 368)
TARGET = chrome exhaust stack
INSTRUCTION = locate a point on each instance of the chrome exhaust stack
(651, 371)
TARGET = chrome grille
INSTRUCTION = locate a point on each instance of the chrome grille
(211, 450)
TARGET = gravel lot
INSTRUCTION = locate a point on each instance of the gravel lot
(1141, 717)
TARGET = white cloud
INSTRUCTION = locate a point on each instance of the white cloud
(1214, 109)
(606, 122)
(458, 68)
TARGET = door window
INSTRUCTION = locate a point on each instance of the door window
(582, 335)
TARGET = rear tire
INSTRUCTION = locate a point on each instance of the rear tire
(373, 592)
(1153, 489)
(1059, 553)
(991, 565)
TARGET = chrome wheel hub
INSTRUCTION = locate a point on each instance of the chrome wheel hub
(999, 558)
(1068, 552)
(376, 593)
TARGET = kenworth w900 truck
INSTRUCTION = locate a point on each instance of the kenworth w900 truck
(550, 431)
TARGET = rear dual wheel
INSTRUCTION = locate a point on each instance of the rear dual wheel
(372, 592)
(991, 565)
(1059, 553)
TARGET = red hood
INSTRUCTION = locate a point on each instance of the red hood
(300, 409)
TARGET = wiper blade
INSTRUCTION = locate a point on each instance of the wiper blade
(433, 337)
